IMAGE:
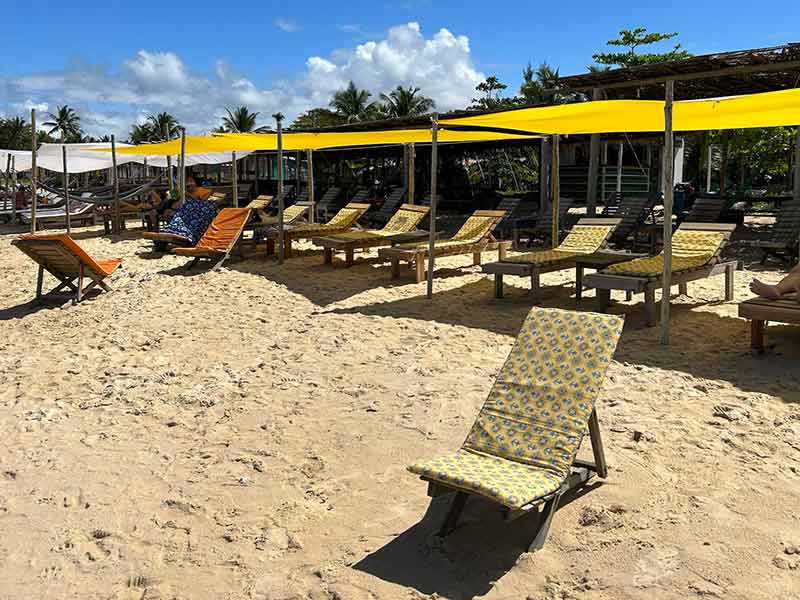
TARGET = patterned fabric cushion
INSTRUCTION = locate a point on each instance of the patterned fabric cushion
(341, 220)
(474, 229)
(541, 257)
(403, 221)
(690, 250)
(528, 432)
(294, 212)
(192, 219)
(585, 239)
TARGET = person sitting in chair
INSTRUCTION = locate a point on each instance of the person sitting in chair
(788, 285)
(163, 210)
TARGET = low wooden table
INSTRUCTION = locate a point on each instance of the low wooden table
(598, 261)
(761, 310)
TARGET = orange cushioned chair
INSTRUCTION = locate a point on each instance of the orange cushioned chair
(220, 238)
(65, 260)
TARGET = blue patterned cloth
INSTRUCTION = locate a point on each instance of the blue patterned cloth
(192, 219)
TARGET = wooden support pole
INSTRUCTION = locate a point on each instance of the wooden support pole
(796, 182)
(182, 166)
(669, 184)
(14, 188)
(412, 169)
(234, 180)
(34, 145)
(117, 229)
(545, 159)
(257, 159)
(297, 172)
(7, 176)
(311, 198)
(169, 163)
(555, 184)
(434, 199)
(594, 162)
(620, 151)
(279, 121)
(66, 183)
(709, 153)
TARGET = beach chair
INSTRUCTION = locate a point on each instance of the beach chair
(221, 237)
(187, 225)
(474, 237)
(510, 206)
(586, 237)
(521, 451)
(707, 209)
(781, 240)
(539, 228)
(80, 213)
(389, 208)
(342, 221)
(59, 255)
(761, 311)
(632, 212)
(329, 201)
(696, 249)
(401, 228)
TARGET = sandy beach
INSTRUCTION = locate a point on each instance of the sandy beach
(245, 434)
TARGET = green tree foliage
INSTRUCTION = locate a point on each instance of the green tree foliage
(406, 102)
(632, 39)
(239, 120)
(164, 126)
(353, 104)
(492, 99)
(764, 153)
(15, 134)
(316, 118)
(543, 86)
(142, 133)
(66, 122)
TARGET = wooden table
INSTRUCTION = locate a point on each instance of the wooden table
(598, 261)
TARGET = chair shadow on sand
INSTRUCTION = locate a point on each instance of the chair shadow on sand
(703, 344)
(482, 549)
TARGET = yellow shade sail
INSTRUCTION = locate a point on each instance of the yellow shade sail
(770, 109)
(310, 141)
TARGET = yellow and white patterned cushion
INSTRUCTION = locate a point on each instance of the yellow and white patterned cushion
(585, 239)
(474, 229)
(531, 426)
(341, 220)
(541, 257)
(690, 250)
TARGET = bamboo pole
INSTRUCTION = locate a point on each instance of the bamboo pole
(34, 199)
(555, 183)
(169, 164)
(669, 165)
(66, 183)
(182, 163)
(234, 180)
(434, 199)
(310, 166)
(278, 119)
(594, 162)
(117, 223)
(14, 188)
(412, 166)
(297, 172)
(620, 151)
(257, 160)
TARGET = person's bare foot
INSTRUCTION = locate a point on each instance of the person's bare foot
(764, 289)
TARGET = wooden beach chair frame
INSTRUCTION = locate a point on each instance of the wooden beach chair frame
(580, 472)
(534, 271)
(296, 233)
(332, 244)
(707, 208)
(418, 256)
(61, 256)
(197, 253)
(761, 311)
(781, 239)
(604, 283)
(82, 216)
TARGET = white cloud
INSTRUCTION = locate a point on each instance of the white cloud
(111, 100)
(287, 25)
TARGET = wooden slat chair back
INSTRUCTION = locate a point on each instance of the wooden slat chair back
(632, 212)
(521, 451)
(707, 209)
(390, 206)
(220, 237)
(65, 260)
(787, 224)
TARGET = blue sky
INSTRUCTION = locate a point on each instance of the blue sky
(117, 61)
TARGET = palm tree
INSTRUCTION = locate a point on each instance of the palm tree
(141, 133)
(15, 134)
(405, 102)
(240, 120)
(66, 121)
(353, 104)
(164, 125)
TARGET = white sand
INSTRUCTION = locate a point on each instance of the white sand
(245, 433)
